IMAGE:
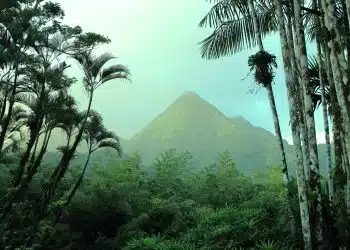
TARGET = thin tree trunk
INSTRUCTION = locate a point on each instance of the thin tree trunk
(79, 181)
(66, 158)
(271, 97)
(338, 157)
(287, 54)
(7, 120)
(32, 158)
(300, 102)
(347, 10)
(73, 190)
(61, 168)
(33, 168)
(3, 106)
(325, 120)
(315, 181)
(339, 67)
(284, 167)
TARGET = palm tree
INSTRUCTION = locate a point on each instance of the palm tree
(95, 76)
(96, 137)
(45, 82)
(228, 17)
(62, 111)
(320, 96)
(287, 52)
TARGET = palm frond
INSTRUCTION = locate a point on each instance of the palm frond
(110, 144)
(236, 35)
(223, 11)
(120, 76)
(262, 63)
(99, 62)
(114, 69)
(28, 100)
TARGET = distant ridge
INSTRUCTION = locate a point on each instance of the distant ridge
(192, 123)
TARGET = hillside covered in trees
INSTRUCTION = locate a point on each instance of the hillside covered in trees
(200, 179)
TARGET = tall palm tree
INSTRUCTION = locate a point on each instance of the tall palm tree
(292, 100)
(227, 17)
(339, 68)
(315, 180)
(95, 75)
(96, 137)
(320, 86)
(62, 111)
(44, 82)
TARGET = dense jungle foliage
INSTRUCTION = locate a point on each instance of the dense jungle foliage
(125, 205)
(169, 205)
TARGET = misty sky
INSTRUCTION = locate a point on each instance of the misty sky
(158, 41)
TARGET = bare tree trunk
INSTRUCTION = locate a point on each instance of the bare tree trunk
(284, 167)
(315, 181)
(339, 67)
(303, 129)
(339, 70)
(325, 121)
(7, 120)
(287, 54)
(32, 158)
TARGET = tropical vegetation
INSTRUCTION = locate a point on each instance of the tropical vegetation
(169, 205)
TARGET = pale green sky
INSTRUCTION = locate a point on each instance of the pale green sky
(157, 40)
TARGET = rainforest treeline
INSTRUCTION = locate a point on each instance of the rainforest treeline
(166, 205)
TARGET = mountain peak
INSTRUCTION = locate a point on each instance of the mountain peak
(187, 113)
(189, 96)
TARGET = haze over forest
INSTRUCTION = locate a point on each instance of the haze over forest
(168, 125)
(167, 63)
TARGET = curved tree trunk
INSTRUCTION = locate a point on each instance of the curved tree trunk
(62, 166)
(287, 54)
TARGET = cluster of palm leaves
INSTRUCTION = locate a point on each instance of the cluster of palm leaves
(36, 50)
(312, 81)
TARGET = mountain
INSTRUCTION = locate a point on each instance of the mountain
(193, 124)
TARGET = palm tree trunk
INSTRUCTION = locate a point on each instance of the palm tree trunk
(271, 97)
(347, 29)
(73, 190)
(338, 156)
(66, 158)
(284, 167)
(347, 10)
(325, 120)
(7, 120)
(290, 81)
(3, 106)
(32, 158)
(303, 129)
(339, 67)
(33, 168)
(315, 181)
(61, 168)
(79, 181)
(339, 70)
